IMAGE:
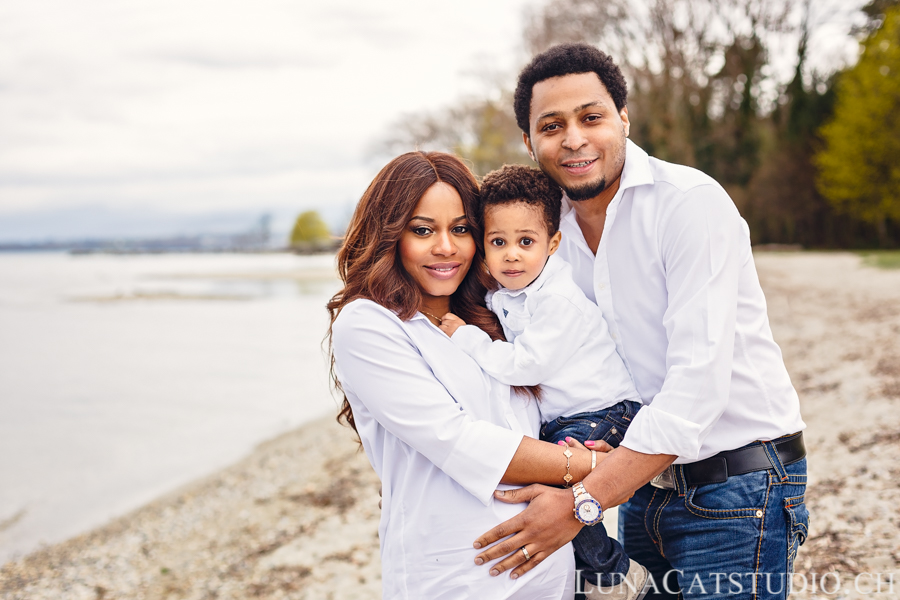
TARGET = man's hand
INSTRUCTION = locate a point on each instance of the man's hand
(547, 524)
(549, 520)
(450, 323)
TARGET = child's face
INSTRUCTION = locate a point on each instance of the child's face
(516, 244)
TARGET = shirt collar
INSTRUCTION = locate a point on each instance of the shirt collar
(554, 265)
(636, 171)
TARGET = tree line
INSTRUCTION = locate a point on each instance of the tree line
(814, 160)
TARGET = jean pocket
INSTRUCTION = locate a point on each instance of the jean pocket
(580, 428)
(740, 497)
(797, 517)
(577, 421)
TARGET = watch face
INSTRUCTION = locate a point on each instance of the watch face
(588, 511)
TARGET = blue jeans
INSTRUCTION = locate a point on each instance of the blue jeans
(597, 556)
(736, 539)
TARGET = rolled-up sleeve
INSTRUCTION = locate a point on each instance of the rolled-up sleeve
(555, 333)
(700, 244)
(379, 366)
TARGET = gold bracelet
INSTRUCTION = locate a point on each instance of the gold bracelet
(593, 459)
(568, 476)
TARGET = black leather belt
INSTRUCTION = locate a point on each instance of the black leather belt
(718, 468)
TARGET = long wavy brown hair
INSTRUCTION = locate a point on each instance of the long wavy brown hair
(369, 259)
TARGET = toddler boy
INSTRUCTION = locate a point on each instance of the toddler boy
(557, 339)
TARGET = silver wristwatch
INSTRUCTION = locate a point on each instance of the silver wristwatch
(587, 510)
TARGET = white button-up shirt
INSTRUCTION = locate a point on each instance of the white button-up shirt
(557, 338)
(675, 279)
(440, 434)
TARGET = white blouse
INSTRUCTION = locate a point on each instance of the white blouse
(440, 434)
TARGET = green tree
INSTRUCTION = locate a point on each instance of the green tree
(309, 230)
(859, 167)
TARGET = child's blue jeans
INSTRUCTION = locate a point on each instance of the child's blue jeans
(597, 555)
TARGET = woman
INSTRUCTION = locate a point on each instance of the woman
(439, 432)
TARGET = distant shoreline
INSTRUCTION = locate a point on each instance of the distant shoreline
(68, 249)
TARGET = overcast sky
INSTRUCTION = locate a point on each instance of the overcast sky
(193, 106)
(199, 105)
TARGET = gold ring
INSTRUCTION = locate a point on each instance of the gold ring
(525, 552)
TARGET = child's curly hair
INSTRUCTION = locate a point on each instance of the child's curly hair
(518, 183)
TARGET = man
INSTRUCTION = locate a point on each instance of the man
(663, 251)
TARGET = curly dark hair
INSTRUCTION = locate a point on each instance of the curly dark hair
(567, 59)
(518, 183)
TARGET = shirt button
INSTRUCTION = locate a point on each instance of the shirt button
(593, 424)
(759, 513)
(613, 431)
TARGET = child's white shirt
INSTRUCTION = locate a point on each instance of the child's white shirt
(556, 338)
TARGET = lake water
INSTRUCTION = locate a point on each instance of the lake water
(125, 377)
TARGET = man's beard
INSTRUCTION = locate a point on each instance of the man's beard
(586, 191)
(580, 193)
(592, 189)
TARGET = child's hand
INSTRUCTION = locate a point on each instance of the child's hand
(450, 323)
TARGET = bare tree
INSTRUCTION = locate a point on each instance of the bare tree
(482, 131)
(689, 62)
(704, 91)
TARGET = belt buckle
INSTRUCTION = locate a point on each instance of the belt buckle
(665, 480)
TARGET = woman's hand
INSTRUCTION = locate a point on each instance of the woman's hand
(582, 458)
(450, 323)
(598, 445)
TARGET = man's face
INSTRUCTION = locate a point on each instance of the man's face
(576, 135)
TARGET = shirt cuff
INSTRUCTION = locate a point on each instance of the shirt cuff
(469, 337)
(654, 431)
(480, 458)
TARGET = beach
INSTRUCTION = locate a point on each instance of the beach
(298, 517)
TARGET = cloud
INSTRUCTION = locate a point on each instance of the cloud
(365, 25)
(189, 105)
(230, 59)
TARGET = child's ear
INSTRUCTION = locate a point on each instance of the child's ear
(554, 243)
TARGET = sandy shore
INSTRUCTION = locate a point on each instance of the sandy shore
(298, 518)
(838, 324)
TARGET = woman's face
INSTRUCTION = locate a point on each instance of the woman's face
(437, 248)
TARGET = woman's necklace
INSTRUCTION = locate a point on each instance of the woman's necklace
(438, 319)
